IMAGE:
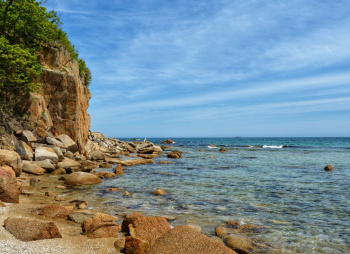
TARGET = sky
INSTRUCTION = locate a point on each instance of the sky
(214, 68)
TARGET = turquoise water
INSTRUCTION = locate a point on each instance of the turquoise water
(286, 189)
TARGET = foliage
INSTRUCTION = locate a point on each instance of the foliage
(25, 27)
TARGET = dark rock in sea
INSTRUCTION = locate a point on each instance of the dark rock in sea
(328, 168)
(175, 154)
(159, 192)
(223, 150)
(168, 141)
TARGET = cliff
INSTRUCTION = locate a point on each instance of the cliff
(61, 105)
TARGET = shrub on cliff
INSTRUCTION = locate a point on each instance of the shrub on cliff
(24, 27)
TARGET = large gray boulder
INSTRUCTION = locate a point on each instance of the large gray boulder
(43, 153)
(45, 164)
(68, 143)
(27, 136)
(25, 151)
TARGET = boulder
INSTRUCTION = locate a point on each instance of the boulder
(25, 151)
(2, 204)
(88, 165)
(136, 162)
(68, 143)
(41, 133)
(45, 164)
(53, 141)
(118, 170)
(59, 171)
(185, 240)
(159, 192)
(223, 150)
(243, 244)
(105, 165)
(43, 153)
(134, 245)
(7, 171)
(11, 159)
(168, 141)
(328, 168)
(106, 174)
(69, 165)
(54, 211)
(175, 154)
(10, 190)
(119, 244)
(32, 168)
(96, 155)
(69, 155)
(81, 178)
(79, 217)
(26, 229)
(100, 227)
(59, 153)
(146, 228)
(27, 136)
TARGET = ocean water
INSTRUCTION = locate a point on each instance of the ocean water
(276, 182)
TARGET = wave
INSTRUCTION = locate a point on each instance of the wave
(275, 147)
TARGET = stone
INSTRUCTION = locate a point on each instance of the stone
(165, 162)
(105, 165)
(100, 227)
(45, 164)
(41, 133)
(159, 192)
(59, 171)
(27, 136)
(82, 205)
(54, 212)
(328, 168)
(223, 150)
(106, 174)
(53, 141)
(12, 159)
(10, 190)
(185, 240)
(235, 227)
(118, 170)
(34, 182)
(32, 168)
(69, 165)
(127, 194)
(119, 244)
(59, 153)
(25, 151)
(2, 204)
(114, 189)
(134, 245)
(81, 178)
(136, 162)
(69, 155)
(26, 229)
(243, 244)
(96, 155)
(68, 143)
(146, 228)
(50, 194)
(88, 165)
(7, 171)
(79, 217)
(174, 154)
(168, 141)
(59, 198)
(43, 153)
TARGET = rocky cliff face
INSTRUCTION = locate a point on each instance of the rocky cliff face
(61, 105)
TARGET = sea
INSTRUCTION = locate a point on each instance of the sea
(279, 183)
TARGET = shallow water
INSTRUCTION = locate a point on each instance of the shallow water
(285, 189)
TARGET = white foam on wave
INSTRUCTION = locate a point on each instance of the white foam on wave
(278, 147)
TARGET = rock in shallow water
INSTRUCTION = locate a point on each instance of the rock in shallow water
(81, 178)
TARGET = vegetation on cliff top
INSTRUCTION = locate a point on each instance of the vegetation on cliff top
(25, 27)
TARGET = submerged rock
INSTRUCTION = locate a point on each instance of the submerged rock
(175, 154)
(328, 168)
(81, 178)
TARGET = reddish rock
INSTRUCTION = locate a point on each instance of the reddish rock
(106, 174)
(328, 168)
(118, 170)
(159, 192)
(2, 204)
(26, 229)
(12, 159)
(135, 245)
(54, 212)
(223, 150)
(100, 227)
(10, 190)
(81, 178)
(175, 154)
(168, 141)
(185, 240)
(7, 171)
(136, 162)
(146, 228)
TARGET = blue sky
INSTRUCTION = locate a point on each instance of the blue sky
(214, 68)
